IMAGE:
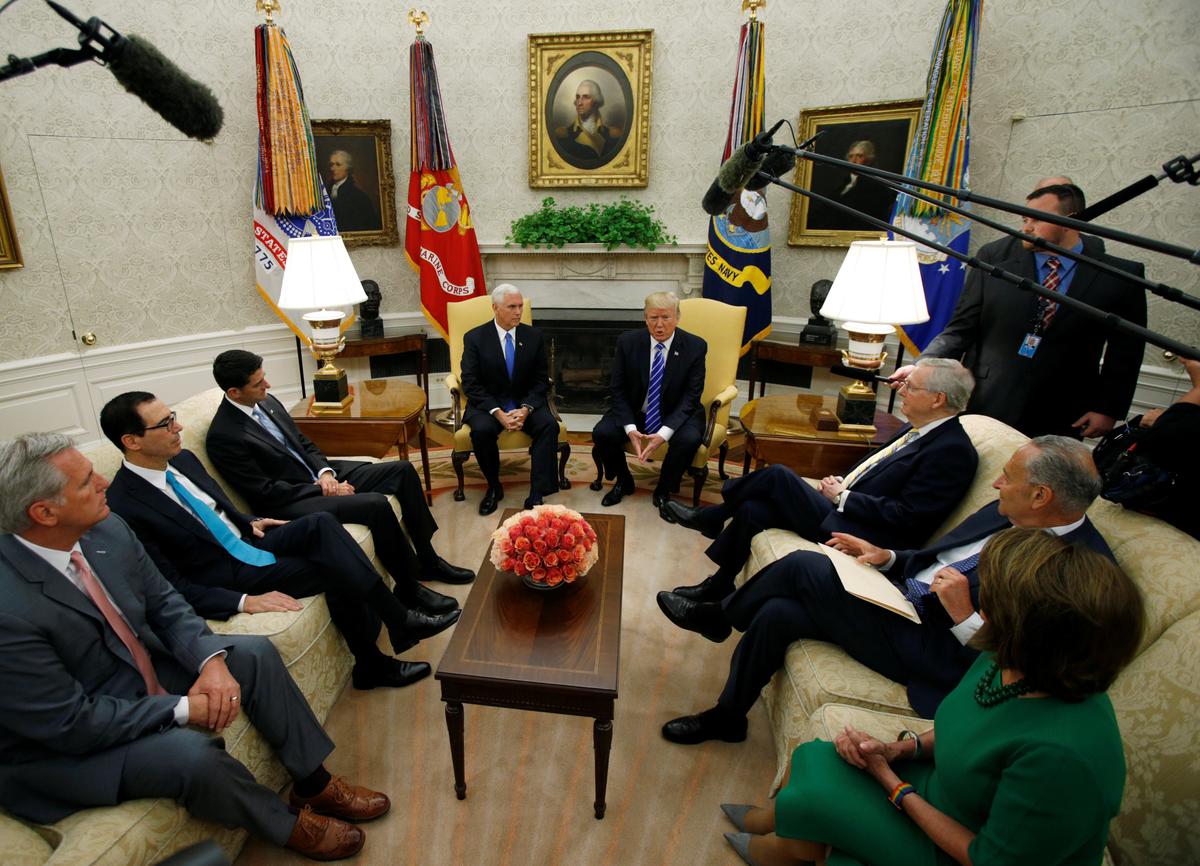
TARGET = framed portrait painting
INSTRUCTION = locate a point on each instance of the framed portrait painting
(589, 108)
(10, 250)
(354, 158)
(877, 134)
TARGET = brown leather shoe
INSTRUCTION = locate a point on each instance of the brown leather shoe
(322, 838)
(343, 800)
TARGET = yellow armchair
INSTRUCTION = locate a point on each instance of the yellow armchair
(720, 325)
(461, 317)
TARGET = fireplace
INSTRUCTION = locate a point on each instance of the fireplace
(580, 355)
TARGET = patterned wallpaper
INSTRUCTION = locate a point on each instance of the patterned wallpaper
(134, 232)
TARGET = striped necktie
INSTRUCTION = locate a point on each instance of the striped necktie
(137, 649)
(212, 521)
(918, 591)
(875, 459)
(1053, 279)
(654, 393)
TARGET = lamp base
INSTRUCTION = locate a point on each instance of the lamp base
(855, 409)
(331, 390)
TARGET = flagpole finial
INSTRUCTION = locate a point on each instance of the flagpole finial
(418, 18)
(753, 6)
(268, 8)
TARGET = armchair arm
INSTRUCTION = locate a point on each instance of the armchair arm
(456, 393)
(721, 400)
(552, 399)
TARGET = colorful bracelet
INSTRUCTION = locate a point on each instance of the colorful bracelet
(899, 793)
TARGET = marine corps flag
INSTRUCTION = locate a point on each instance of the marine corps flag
(939, 154)
(289, 198)
(439, 235)
(738, 260)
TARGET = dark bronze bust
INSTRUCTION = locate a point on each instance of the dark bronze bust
(819, 331)
(368, 310)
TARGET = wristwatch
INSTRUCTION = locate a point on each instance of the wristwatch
(527, 408)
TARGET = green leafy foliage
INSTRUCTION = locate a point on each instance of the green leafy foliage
(626, 221)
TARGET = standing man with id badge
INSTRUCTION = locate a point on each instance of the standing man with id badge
(1040, 366)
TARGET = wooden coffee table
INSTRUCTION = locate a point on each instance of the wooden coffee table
(778, 430)
(555, 651)
(381, 418)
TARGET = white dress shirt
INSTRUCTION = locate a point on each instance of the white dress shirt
(665, 432)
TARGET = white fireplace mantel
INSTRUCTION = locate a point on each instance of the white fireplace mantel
(588, 280)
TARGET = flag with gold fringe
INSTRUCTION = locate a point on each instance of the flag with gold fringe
(738, 260)
(939, 154)
(289, 199)
(439, 233)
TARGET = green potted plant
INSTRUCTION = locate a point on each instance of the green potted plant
(626, 221)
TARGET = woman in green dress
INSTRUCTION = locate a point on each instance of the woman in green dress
(1028, 766)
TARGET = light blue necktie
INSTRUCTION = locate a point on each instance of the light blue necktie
(265, 422)
(918, 591)
(225, 536)
(654, 393)
(510, 356)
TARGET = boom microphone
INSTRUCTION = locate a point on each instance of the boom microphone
(144, 71)
(737, 171)
(858, 373)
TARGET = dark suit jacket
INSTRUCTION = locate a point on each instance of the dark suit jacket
(254, 462)
(683, 379)
(485, 376)
(909, 493)
(934, 654)
(68, 687)
(185, 552)
(1066, 377)
(354, 210)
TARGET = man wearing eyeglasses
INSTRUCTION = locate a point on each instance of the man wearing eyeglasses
(225, 562)
(899, 494)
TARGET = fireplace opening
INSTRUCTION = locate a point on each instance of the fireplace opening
(580, 354)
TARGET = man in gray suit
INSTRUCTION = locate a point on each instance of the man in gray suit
(112, 689)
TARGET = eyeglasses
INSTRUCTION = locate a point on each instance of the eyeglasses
(907, 385)
(164, 424)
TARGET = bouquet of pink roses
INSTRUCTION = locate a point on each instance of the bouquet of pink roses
(549, 545)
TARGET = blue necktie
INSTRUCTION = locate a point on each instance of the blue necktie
(654, 392)
(212, 521)
(917, 591)
(265, 422)
(510, 355)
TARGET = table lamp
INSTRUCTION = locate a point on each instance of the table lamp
(878, 286)
(320, 276)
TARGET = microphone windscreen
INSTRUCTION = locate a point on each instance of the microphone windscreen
(181, 100)
(737, 170)
(716, 200)
(777, 164)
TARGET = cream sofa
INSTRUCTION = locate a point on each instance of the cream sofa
(145, 831)
(1157, 698)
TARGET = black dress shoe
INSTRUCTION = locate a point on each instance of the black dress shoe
(418, 626)
(687, 517)
(490, 499)
(705, 619)
(708, 725)
(619, 491)
(660, 498)
(425, 599)
(388, 673)
(712, 588)
(447, 573)
(532, 501)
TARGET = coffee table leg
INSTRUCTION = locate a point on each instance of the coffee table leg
(602, 741)
(454, 724)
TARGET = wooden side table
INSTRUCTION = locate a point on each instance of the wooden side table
(788, 353)
(379, 419)
(402, 344)
(778, 430)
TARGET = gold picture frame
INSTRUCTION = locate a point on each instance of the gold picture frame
(888, 128)
(368, 206)
(10, 248)
(608, 149)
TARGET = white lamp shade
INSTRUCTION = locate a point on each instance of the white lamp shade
(879, 282)
(319, 274)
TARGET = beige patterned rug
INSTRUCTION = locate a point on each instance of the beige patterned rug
(529, 775)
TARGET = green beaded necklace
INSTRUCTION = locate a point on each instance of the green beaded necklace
(989, 696)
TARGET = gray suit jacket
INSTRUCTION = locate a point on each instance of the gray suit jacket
(71, 698)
